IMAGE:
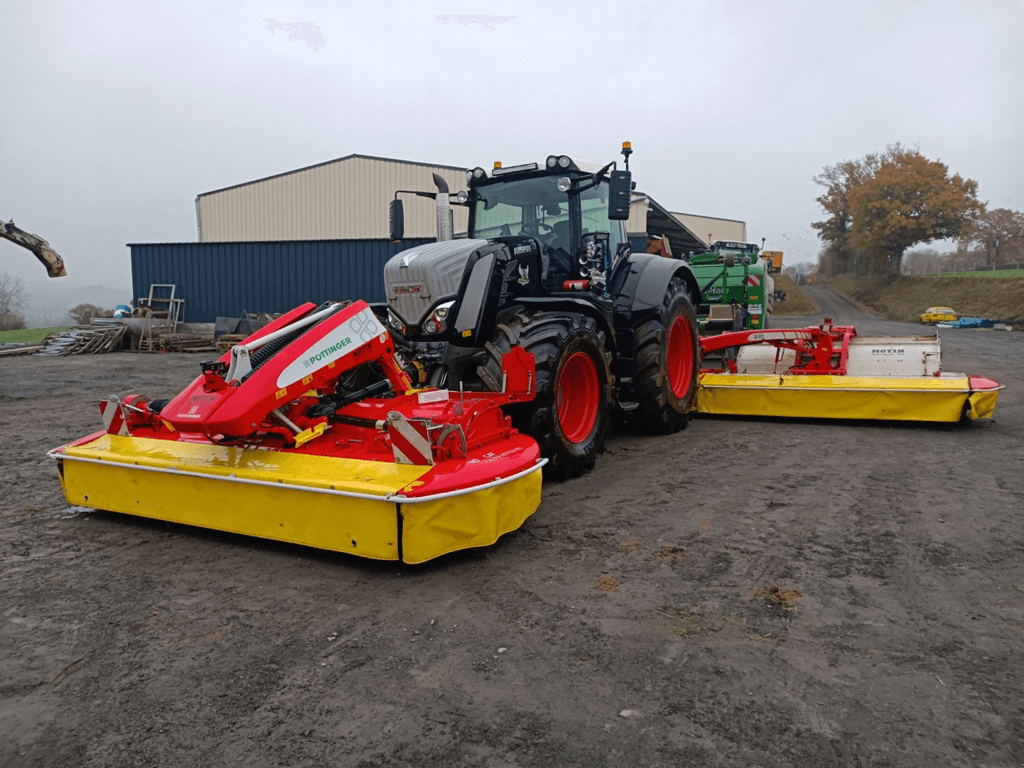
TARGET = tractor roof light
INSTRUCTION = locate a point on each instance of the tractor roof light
(552, 161)
(462, 197)
(564, 184)
(497, 164)
(564, 161)
(525, 167)
(477, 173)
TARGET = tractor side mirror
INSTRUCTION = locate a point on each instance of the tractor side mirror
(396, 220)
(619, 186)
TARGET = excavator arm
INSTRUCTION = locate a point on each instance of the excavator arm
(51, 260)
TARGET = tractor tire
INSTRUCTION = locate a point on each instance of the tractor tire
(570, 416)
(666, 359)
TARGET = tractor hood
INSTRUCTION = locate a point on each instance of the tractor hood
(416, 279)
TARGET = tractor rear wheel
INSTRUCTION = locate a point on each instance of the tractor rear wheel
(666, 359)
(569, 418)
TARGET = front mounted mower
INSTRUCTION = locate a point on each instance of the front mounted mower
(310, 432)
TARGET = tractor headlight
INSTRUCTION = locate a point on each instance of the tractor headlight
(462, 197)
(552, 161)
(479, 173)
(396, 323)
(564, 161)
(438, 319)
(564, 184)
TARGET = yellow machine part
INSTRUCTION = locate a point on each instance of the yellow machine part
(982, 404)
(344, 505)
(931, 398)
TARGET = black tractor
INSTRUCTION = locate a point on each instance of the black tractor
(546, 266)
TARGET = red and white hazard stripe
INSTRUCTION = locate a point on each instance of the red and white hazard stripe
(753, 281)
(113, 416)
(410, 440)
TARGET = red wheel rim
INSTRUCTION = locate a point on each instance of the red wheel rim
(680, 356)
(578, 397)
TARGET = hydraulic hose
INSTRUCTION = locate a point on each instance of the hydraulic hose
(267, 351)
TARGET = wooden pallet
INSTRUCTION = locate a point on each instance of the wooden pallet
(84, 340)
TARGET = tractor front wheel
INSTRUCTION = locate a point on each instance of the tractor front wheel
(569, 418)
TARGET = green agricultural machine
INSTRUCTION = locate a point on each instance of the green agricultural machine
(737, 288)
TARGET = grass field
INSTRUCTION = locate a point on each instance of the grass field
(29, 335)
(905, 298)
(1001, 273)
(796, 302)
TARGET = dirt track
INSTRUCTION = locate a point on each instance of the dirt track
(745, 593)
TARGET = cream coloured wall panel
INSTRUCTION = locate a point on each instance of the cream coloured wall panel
(711, 229)
(345, 198)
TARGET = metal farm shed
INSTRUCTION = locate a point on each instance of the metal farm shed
(227, 279)
(345, 198)
(713, 228)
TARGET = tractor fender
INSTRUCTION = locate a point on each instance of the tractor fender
(646, 278)
(638, 287)
(572, 304)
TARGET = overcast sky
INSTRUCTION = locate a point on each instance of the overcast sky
(117, 114)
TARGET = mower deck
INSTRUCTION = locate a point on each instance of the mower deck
(828, 372)
(374, 509)
(947, 397)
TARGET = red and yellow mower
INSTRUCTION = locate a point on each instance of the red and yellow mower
(829, 372)
(283, 438)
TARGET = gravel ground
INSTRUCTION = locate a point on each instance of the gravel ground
(744, 593)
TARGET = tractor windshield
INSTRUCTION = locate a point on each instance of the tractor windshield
(532, 207)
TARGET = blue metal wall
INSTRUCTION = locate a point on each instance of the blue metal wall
(226, 279)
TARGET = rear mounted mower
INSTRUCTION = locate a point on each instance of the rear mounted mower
(828, 371)
(310, 432)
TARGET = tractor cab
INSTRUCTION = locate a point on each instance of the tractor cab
(573, 211)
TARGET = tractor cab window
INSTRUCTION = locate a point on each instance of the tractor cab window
(532, 208)
(594, 207)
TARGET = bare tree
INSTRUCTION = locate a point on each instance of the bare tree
(12, 301)
(999, 234)
(84, 313)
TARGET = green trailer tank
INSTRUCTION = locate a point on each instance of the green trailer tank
(737, 289)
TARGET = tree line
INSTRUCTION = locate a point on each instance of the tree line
(880, 206)
(12, 305)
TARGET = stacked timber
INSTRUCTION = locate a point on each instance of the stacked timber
(84, 340)
(183, 342)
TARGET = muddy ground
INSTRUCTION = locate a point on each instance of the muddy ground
(745, 593)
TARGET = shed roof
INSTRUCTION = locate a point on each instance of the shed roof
(661, 221)
(331, 162)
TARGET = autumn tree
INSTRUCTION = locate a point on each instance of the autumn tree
(910, 199)
(882, 205)
(839, 180)
(999, 234)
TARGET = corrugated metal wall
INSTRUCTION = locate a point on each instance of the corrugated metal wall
(226, 279)
(344, 198)
(714, 228)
